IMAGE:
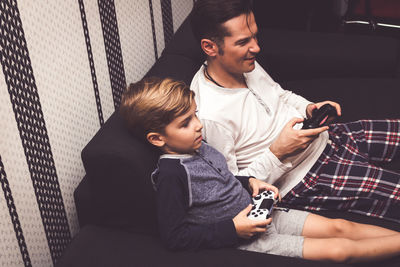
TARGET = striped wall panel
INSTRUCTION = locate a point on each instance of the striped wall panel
(64, 66)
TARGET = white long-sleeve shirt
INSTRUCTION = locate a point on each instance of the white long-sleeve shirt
(237, 124)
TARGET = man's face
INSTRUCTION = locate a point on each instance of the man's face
(241, 47)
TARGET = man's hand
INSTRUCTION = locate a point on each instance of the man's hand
(245, 227)
(311, 107)
(291, 141)
(258, 186)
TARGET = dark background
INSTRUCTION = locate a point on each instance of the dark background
(330, 15)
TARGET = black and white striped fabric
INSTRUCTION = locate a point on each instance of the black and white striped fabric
(64, 66)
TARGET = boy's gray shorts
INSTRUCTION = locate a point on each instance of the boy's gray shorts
(283, 235)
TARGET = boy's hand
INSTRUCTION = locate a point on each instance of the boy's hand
(245, 227)
(258, 186)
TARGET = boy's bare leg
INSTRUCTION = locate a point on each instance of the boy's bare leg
(346, 250)
(317, 226)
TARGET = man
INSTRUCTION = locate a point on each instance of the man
(256, 125)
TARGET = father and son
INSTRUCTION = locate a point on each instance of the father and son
(254, 143)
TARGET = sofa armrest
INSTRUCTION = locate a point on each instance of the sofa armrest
(293, 55)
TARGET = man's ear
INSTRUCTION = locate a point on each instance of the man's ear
(155, 139)
(209, 47)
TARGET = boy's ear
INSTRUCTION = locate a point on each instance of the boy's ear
(209, 47)
(155, 139)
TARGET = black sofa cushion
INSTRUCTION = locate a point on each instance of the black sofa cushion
(291, 55)
(181, 58)
(118, 168)
(361, 98)
(100, 246)
(185, 44)
(183, 68)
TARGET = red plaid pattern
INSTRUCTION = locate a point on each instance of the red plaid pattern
(346, 175)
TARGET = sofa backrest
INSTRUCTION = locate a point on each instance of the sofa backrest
(293, 55)
(181, 58)
(118, 166)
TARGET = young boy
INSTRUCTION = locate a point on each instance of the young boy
(201, 204)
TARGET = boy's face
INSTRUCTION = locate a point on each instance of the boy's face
(183, 134)
(241, 47)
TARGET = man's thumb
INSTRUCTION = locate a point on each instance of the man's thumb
(294, 121)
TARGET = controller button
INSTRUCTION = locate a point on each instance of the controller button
(257, 197)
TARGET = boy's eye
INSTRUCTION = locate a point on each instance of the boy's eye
(185, 123)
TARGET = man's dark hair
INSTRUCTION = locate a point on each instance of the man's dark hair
(208, 16)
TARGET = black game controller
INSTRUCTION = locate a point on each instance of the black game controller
(320, 117)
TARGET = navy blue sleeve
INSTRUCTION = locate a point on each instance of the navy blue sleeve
(244, 180)
(172, 207)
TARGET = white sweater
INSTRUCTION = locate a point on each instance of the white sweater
(242, 129)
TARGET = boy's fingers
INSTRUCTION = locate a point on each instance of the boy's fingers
(261, 229)
(263, 223)
(275, 190)
(255, 191)
(246, 210)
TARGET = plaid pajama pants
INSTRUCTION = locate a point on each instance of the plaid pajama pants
(346, 177)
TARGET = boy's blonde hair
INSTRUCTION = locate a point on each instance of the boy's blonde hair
(152, 103)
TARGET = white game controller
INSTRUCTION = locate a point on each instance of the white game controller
(263, 204)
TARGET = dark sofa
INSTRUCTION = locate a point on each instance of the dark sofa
(115, 200)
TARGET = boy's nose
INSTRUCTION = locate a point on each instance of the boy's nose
(199, 126)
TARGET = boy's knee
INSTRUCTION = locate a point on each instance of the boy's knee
(340, 227)
(341, 251)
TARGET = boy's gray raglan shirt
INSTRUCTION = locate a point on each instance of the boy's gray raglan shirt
(197, 198)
